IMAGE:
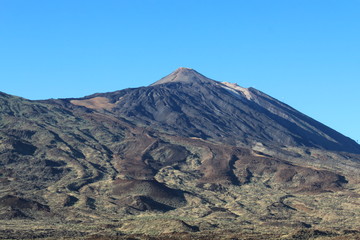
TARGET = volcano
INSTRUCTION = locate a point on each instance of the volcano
(186, 103)
(191, 154)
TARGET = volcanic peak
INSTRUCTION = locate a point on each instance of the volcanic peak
(184, 75)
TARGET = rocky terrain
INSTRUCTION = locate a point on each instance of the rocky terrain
(184, 158)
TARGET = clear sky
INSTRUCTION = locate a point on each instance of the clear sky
(303, 52)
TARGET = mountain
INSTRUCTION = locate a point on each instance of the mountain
(189, 104)
(188, 153)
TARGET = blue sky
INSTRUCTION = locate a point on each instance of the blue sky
(305, 53)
